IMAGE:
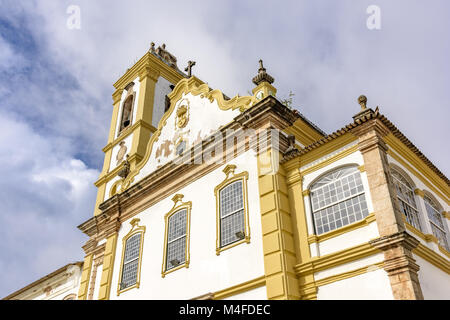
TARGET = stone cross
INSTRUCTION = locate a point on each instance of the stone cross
(189, 68)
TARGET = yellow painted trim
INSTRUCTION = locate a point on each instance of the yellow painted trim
(334, 158)
(419, 192)
(432, 257)
(85, 277)
(306, 192)
(335, 259)
(230, 178)
(446, 214)
(240, 288)
(362, 168)
(337, 232)
(135, 229)
(176, 208)
(428, 237)
(108, 267)
(349, 274)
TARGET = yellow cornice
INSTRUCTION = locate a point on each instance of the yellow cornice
(304, 132)
(336, 259)
(108, 176)
(148, 60)
(337, 232)
(349, 274)
(419, 176)
(323, 150)
(240, 288)
(432, 257)
(417, 163)
(125, 133)
(446, 214)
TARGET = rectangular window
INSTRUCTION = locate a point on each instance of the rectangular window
(131, 261)
(232, 220)
(176, 241)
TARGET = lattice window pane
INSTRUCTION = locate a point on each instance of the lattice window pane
(176, 253)
(231, 198)
(338, 199)
(437, 226)
(177, 225)
(131, 261)
(132, 247)
(176, 244)
(231, 227)
(407, 202)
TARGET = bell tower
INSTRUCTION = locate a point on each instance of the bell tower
(139, 102)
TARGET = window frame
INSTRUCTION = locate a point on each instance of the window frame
(175, 209)
(436, 207)
(400, 200)
(331, 204)
(230, 178)
(135, 229)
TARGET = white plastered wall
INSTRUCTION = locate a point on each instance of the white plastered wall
(162, 88)
(434, 282)
(207, 271)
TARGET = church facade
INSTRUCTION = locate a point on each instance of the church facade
(202, 196)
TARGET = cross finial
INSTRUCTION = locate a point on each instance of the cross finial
(188, 69)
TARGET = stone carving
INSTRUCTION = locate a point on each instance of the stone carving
(262, 75)
(121, 153)
(123, 173)
(182, 117)
(166, 56)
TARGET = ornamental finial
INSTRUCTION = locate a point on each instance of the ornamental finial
(262, 75)
(362, 100)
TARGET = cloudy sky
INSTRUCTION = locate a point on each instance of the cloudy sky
(56, 86)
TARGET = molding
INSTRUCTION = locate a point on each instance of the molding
(342, 230)
(342, 154)
(362, 168)
(428, 237)
(446, 214)
(419, 192)
(176, 208)
(336, 259)
(135, 229)
(432, 257)
(239, 288)
(306, 192)
(349, 274)
(230, 178)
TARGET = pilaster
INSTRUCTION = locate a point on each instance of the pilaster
(278, 239)
(394, 241)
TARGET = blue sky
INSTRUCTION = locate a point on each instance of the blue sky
(56, 86)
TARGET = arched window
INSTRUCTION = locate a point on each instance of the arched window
(406, 200)
(437, 226)
(127, 109)
(131, 257)
(337, 199)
